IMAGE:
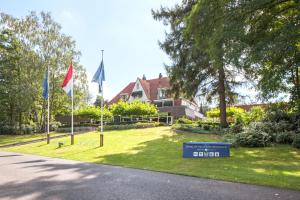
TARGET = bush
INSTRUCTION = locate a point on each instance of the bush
(254, 115)
(6, 129)
(54, 125)
(76, 129)
(131, 126)
(201, 123)
(184, 120)
(206, 127)
(196, 129)
(253, 138)
(236, 128)
(27, 129)
(286, 137)
(230, 112)
(296, 141)
(134, 108)
(283, 126)
(267, 127)
(93, 112)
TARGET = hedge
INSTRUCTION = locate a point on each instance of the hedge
(132, 126)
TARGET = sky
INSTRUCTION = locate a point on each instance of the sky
(124, 29)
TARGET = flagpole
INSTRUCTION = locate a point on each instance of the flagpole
(72, 131)
(102, 99)
(48, 110)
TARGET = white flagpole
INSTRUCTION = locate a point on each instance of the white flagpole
(72, 131)
(102, 99)
(48, 110)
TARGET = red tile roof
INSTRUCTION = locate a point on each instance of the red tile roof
(150, 87)
(128, 89)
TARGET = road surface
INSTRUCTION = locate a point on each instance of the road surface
(30, 177)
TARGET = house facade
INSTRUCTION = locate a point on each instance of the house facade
(156, 91)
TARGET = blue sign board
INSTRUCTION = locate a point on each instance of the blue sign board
(205, 149)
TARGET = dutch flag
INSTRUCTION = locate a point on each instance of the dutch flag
(67, 85)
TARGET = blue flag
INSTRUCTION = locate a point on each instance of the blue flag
(45, 86)
(99, 76)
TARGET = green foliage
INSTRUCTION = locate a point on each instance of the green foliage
(236, 128)
(93, 112)
(28, 46)
(194, 128)
(132, 126)
(253, 138)
(184, 120)
(286, 137)
(230, 112)
(296, 141)
(254, 115)
(135, 108)
(197, 45)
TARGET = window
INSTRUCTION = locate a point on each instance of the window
(168, 103)
(137, 94)
(162, 93)
(159, 104)
(137, 86)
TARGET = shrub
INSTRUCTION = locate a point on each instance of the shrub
(131, 126)
(296, 141)
(6, 129)
(27, 129)
(283, 126)
(236, 128)
(134, 108)
(93, 112)
(230, 138)
(276, 112)
(184, 120)
(286, 137)
(254, 115)
(230, 111)
(206, 127)
(196, 129)
(253, 138)
(54, 125)
(201, 123)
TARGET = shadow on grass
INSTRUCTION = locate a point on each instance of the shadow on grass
(249, 165)
(75, 180)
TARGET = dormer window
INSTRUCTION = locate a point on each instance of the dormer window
(162, 93)
(137, 94)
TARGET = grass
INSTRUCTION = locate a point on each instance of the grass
(11, 139)
(160, 149)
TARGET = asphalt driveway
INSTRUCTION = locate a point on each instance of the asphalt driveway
(35, 177)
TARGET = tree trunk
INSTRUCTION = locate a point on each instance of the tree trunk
(297, 89)
(222, 100)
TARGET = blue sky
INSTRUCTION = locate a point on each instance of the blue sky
(125, 30)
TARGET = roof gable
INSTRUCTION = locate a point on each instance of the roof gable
(150, 88)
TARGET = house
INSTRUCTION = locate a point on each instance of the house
(156, 91)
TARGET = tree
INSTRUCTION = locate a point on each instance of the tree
(40, 45)
(197, 45)
(271, 37)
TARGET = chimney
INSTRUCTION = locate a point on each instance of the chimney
(160, 76)
(144, 77)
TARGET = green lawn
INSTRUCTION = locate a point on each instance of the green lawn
(161, 149)
(11, 139)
